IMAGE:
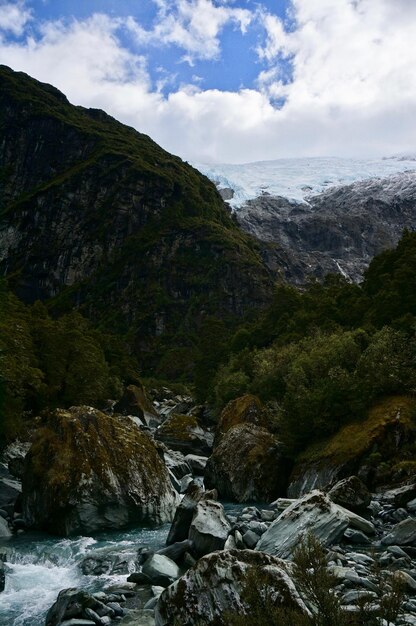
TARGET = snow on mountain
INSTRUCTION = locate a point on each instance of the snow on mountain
(297, 179)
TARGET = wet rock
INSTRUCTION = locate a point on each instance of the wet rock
(404, 533)
(87, 471)
(139, 578)
(351, 493)
(251, 539)
(315, 513)
(215, 584)
(209, 527)
(175, 461)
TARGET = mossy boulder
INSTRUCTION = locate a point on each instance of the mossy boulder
(183, 433)
(247, 465)
(374, 449)
(244, 410)
(87, 471)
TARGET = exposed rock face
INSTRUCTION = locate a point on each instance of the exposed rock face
(339, 230)
(97, 211)
(248, 465)
(184, 513)
(216, 584)
(87, 471)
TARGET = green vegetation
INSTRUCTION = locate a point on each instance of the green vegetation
(323, 357)
(46, 363)
(315, 581)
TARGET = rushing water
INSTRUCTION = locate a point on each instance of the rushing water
(40, 566)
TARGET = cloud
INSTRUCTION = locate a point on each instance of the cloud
(192, 25)
(351, 89)
(14, 17)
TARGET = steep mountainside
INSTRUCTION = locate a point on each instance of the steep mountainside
(338, 230)
(95, 214)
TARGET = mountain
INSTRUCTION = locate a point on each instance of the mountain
(95, 215)
(319, 223)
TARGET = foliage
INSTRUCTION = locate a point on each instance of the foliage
(47, 362)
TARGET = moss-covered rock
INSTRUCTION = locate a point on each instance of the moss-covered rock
(183, 433)
(247, 465)
(244, 410)
(87, 471)
(374, 449)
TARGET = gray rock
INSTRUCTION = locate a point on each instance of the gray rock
(176, 551)
(176, 463)
(139, 578)
(69, 603)
(161, 570)
(179, 530)
(197, 463)
(209, 527)
(214, 586)
(75, 621)
(314, 513)
(139, 617)
(403, 533)
(406, 579)
(251, 539)
(357, 537)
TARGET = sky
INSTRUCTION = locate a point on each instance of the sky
(231, 81)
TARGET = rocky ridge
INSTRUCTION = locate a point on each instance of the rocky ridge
(337, 231)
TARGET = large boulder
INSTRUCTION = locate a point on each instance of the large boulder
(183, 433)
(314, 513)
(351, 493)
(217, 584)
(209, 527)
(248, 465)
(87, 471)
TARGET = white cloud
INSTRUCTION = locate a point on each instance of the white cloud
(14, 17)
(353, 89)
(193, 25)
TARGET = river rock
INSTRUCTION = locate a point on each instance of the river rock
(181, 524)
(244, 410)
(315, 513)
(351, 493)
(161, 570)
(214, 586)
(402, 534)
(183, 433)
(177, 551)
(209, 527)
(175, 461)
(87, 471)
(247, 465)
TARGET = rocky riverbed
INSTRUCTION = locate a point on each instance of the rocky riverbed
(195, 567)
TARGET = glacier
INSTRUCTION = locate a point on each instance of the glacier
(297, 179)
